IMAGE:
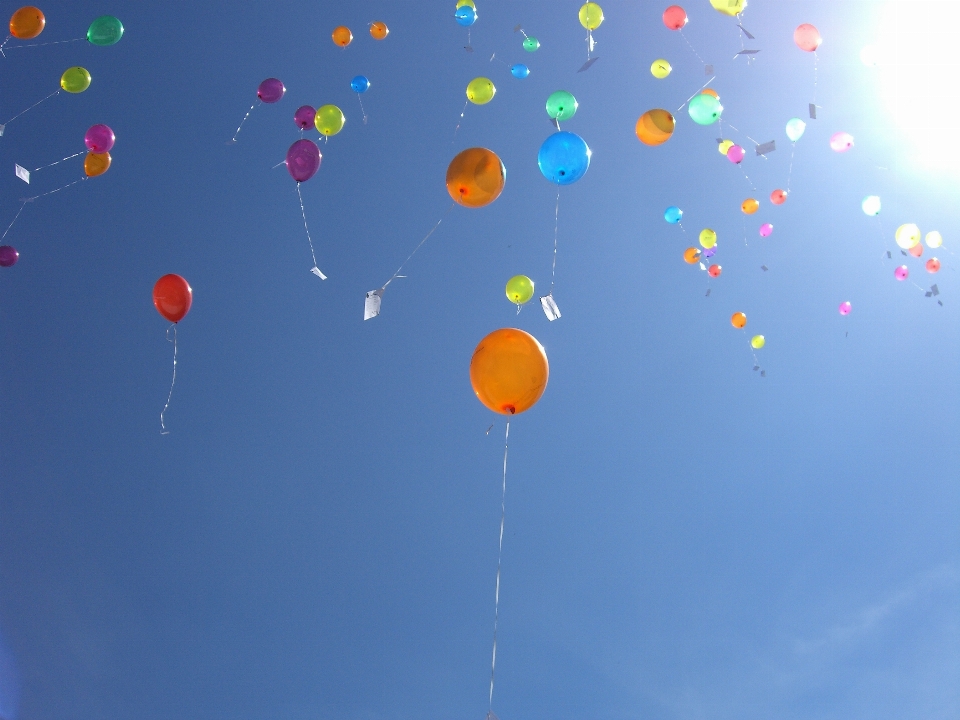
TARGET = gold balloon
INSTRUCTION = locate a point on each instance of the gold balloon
(655, 127)
(476, 177)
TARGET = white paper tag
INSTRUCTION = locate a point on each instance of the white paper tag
(371, 306)
(588, 64)
(550, 308)
(2, 129)
(23, 174)
(316, 271)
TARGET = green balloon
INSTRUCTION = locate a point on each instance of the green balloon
(75, 80)
(705, 109)
(561, 105)
(531, 44)
(480, 91)
(519, 289)
(105, 30)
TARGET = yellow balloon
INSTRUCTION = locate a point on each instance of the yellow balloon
(757, 342)
(329, 120)
(708, 238)
(519, 289)
(470, 3)
(660, 69)
(591, 16)
(724, 146)
(729, 7)
(907, 236)
(934, 239)
(480, 91)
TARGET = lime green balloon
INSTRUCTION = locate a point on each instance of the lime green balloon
(105, 30)
(531, 44)
(591, 16)
(704, 109)
(519, 289)
(480, 91)
(561, 105)
(469, 3)
(660, 69)
(75, 80)
(708, 238)
(757, 342)
(329, 120)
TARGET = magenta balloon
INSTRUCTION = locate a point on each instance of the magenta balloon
(8, 256)
(303, 160)
(304, 117)
(845, 308)
(766, 229)
(271, 90)
(902, 273)
(735, 154)
(99, 139)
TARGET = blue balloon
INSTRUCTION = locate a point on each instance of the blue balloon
(520, 71)
(564, 158)
(466, 15)
(672, 214)
(360, 84)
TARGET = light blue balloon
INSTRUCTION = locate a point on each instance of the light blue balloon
(466, 15)
(871, 205)
(795, 128)
(360, 84)
(672, 214)
(520, 71)
(564, 158)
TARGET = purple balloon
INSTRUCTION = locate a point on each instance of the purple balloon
(303, 160)
(99, 139)
(8, 256)
(710, 252)
(304, 117)
(271, 90)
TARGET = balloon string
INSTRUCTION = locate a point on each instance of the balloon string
(397, 273)
(696, 93)
(459, 122)
(304, 213)
(361, 109)
(68, 157)
(702, 61)
(163, 427)
(496, 605)
(790, 171)
(55, 42)
(816, 62)
(56, 92)
(556, 233)
(14, 219)
(234, 139)
(51, 192)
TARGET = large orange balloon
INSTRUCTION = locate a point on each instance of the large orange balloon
(509, 371)
(27, 22)
(96, 164)
(475, 177)
(172, 296)
(655, 127)
(342, 36)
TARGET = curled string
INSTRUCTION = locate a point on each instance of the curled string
(496, 606)
(304, 213)
(55, 92)
(55, 42)
(68, 157)
(556, 233)
(432, 230)
(234, 139)
(163, 428)
(360, 99)
(22, 206)
(696, 93)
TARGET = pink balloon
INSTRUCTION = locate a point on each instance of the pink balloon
(303, 160)
(845, 308)
(99, 139)
(902, 273)
(304, 117)
(675, 17)
(807, 37)
(841, 142)
(766, 229)
(933, 265)
(916, 250)
(735, 154)
(270, 90)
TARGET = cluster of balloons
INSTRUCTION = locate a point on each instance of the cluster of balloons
(343, 36)
(28, 22)
(99, 140)
(465, 13)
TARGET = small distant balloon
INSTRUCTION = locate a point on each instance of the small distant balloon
(708, 238)
(841, 142)
(329, 120)
(845, 308)
(766, 229)
(341, 36)
(714, 271)
(729, 7)
(379, 30)
(480, 91)
(8, 256)
(736, 154)
(531, 44)
(519, 71)
(304, 117)
(710, 91)
(561, 105)
(871, 205)
(757, 342)
(470, 3)
(795, 129)
(466, 15)
(691, 255)
(710, 252)
(749, 206)
(655, 127)
(660, 69)
(519, 289)
(673, 214)
(99, 139)
(270, 90)
(778, 197)
(303, 160)
(360, 84)
(916, 250)
(75, 80)
(932, 265)
(104, 31)
(591, 16)
(724, 145)
(475, 177)
(564, 158)
(675, 17)
(902, 273)
(704, 109)
(933, 239)
(96, 164)
(27, 22)
(738, 320)
(907, 236)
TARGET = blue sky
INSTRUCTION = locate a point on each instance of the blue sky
(317, 535)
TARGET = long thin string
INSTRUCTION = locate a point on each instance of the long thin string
(304, 214)
(22, 206)
(55, 42)
(790, 171)
(163, 428)
(68, 157)
(55, 92)
(816, 62)
(556, 233)
(432, 230)
(702, 61)
(234, 139)
(361, 109)
(496, 606)
(696, 93)
(459, 122)
(51, 192)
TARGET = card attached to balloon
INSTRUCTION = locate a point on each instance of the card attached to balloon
(550, 308)
(371, 306)
(588, 64)
(813, 111)
(766, 147)
(23, 174)
(316, 271)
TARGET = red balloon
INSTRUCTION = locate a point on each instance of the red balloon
(675, 17)
(172, 296)
(807, 37)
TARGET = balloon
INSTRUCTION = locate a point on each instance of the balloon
(519, 289)
(480, 91)
(778, 197)
(902, 273)
(531, 44)
(932, 266)
(561, 105)
(509, 371)
(475, 177)
(691, 255)
(724, 145)
(871, 205)
(563, 158)
(845, 308)
(934, 239)
(714, 271)
(96, 164)
(360, 84)
(105, 30)
(757, 342)
(172, 296)
(27, 22)
(729, 7)
(708, 238)
(710, 252)
(749, 206)
(795, 128)
(660, 69)
(379, 30)
(8, 256)
(341, 36)
(655, 127)
(304, 116)
(916, 250)
(738, 320)
(329, 120)
(591, 15)
(466, 15)
(704, 109)
(470, 3)
(75, 80)
(303, 160)
(907, 236)
(673, 214)
(270, 90)
(807, 37)
(519, 71)
(710, 91)
(99, 139)
(735, 154)
(766, 229)
(675, 17)
(841, 142)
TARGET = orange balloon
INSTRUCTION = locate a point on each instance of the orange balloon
(750, 206)
(509, 371)
(655, 127)
(27, 22)
(778, 197)
(738, 320)
(475, 177)
(96, 164)
(710, 91)
(342, 36)
(379, 30)
(691, 255)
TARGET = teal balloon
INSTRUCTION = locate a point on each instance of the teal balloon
(564, 158)
(795, 128)
(673, 214)
(105, 30)
(561, 105)
(704, 109)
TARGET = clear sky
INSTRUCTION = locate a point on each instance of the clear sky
(317, 535)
